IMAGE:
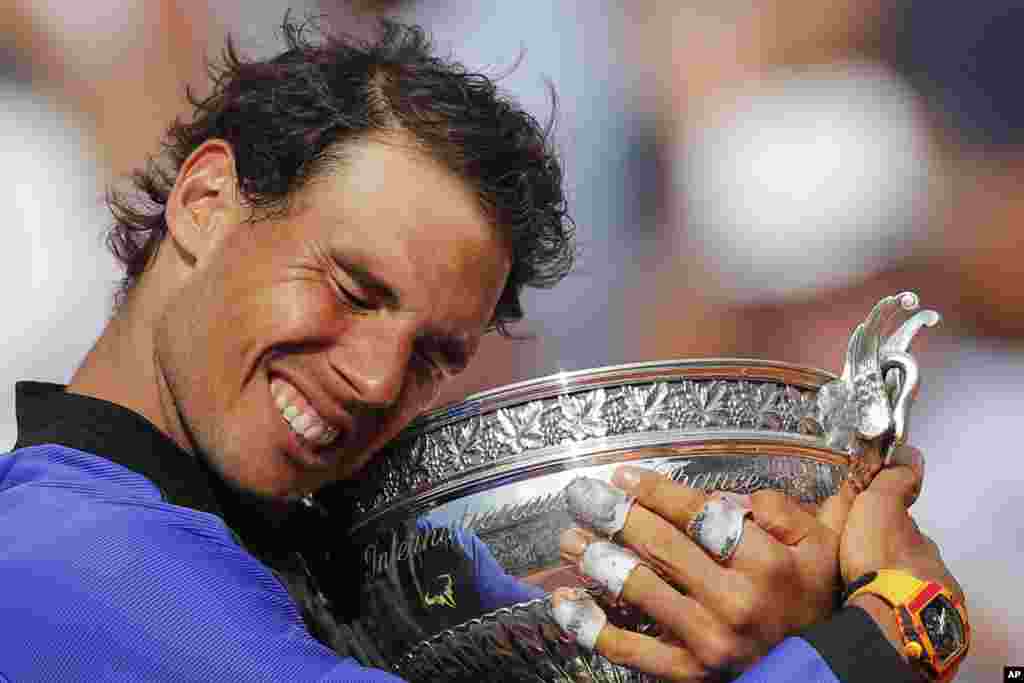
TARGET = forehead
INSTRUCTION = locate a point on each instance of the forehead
(396, 209)
(391, 177)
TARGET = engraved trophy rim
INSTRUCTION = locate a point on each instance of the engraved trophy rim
(571, 381)
(447, 482)
(865, 408)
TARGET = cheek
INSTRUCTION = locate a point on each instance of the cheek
(292, 313)
(415, 398)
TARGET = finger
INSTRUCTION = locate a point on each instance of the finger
(782, 517)
(711, 640)
(657, 535)
(582, 619)
(908, 456)
(604, 562)
(597, 506)
(673, 555)
(653, 656)
(673, 501)
(901, 481)
(573, 542)
(683, 619)
(653, 533)
(836, 508)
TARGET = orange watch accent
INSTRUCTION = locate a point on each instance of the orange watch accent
(934, 625)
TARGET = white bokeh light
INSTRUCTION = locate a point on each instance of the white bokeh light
(811, 179)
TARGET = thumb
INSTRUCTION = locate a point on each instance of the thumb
(903, 478)
(834, 511)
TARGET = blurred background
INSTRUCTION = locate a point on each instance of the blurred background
(747, 180)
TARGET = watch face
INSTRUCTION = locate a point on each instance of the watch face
(944, 626)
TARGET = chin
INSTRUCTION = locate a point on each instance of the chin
(277, 484)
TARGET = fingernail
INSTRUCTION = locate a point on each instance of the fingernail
(573, 544)
(742, 500)
(597, 505)
(628, 477)
(578, 615)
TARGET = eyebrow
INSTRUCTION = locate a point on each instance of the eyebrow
(368, 281)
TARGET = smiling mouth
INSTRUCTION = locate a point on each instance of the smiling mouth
(300, 416)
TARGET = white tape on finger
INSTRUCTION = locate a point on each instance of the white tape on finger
(597, 505)
(578, 615)
(610, 565)
(718, 527)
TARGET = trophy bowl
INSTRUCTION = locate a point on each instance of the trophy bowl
(455, 526)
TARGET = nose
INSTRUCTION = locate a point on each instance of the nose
(374, 356)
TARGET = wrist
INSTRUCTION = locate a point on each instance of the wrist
(883, 616)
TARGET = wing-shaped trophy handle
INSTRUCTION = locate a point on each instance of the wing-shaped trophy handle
(866, 411)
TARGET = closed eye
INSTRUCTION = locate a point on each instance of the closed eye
(352, 300)
(445, 355)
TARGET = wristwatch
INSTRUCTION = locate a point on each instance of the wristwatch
(933, 623)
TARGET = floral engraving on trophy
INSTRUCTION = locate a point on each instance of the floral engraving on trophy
(645, 407)
(458, 445)
(430, 458)
(704, 404)
(520, 428)
(420, 467)
(582, 416)
(799, 411)
(757, 405)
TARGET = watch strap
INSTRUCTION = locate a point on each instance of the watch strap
(856, 584)
(895, 587)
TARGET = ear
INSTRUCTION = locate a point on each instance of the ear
(204, 206)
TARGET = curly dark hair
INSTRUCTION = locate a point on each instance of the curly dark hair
(287, 120)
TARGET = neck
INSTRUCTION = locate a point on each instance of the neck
(121, 367)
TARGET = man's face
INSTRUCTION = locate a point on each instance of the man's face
(301, 345)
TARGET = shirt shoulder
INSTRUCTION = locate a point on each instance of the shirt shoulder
(95, 561)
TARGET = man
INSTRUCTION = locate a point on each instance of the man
(330, 238)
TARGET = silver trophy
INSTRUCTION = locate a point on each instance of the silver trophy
(456, 525)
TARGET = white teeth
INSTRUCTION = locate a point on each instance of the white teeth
(304, 422)
(309, 426)
(314, 432)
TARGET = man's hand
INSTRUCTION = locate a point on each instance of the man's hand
(718, 618)
(881, 534)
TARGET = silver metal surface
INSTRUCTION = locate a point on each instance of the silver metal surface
(506, 428)
(457, 523)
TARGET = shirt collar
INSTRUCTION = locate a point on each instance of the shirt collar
(47, 413)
